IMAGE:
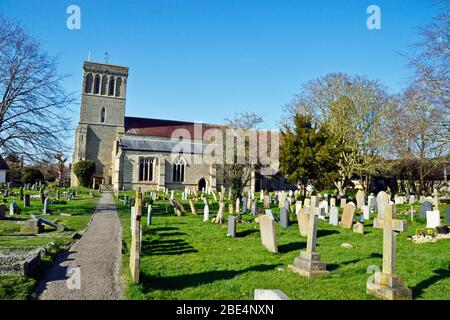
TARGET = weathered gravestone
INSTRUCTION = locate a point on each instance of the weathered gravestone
(308, 264)
(282, 200)
(358, 227)
(192, 205)
(149, 214)
(307, 203)
(360, 199)
(284, 217)
(387, 284)
(372, 202)
(347, 216)
(447, 215)
(135, 246)
(263, 294)
(298, 206)
(426, 206)
(433, 219)
(266, 201)
(206, 212)
(26, 200)
(333, 202)
(244, 205)
(268, 236)
(334, 216)
(383, 200)
(343, 202)
(45, 210)
(366, 212)
(32, 227)
(303, 218)
(232, 226)
(253, 210)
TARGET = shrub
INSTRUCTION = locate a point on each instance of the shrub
(32, 175)
(84, 171)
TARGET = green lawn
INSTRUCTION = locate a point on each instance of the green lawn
(186, 258)
(80, 208)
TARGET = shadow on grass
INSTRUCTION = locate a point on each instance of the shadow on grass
(334, 266)
(165, 229)
(285, 248)
(245, 233)
(324, 233)
(180, 282)
(167, 247)
(440, 274)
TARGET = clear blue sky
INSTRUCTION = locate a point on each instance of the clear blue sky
(203, 60)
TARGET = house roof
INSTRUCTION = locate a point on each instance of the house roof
(155, 145)
(3, 164)
(162, 128)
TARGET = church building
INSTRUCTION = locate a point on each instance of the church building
(131, 152)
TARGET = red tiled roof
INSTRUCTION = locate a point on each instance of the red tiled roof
(161, 128)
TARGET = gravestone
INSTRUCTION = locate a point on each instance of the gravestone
(447, 215)
(433, 219)
(2, 211)
(12, 210)
(366, 212)
(358, 227)
(238, 206)
(298, 206)
(303, 218)
(282, 200)
(232, 226)
(266, 202)
(284, 217)
(253, 210)
(32, 227)
(263, 294)
(343, 202)
(360, 199)
(334, 216)
(45, 210)
(333, 202)
(383, 200)
(347, 216)
(192, 205)
(268, 236)
(307, 203)
(426, 206)
(149, 214)
(244, 205)
(372, 202)
(308, 264)
(206, 212)
(269, 213)
(387, 284)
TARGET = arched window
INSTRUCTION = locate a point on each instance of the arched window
(179, 168)
(111, 86)
(104, 85)
(88, 83)
(97, 84)
(103, 115)
(146, 169)
(118, 87)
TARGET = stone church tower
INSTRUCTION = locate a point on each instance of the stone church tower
(102, 114)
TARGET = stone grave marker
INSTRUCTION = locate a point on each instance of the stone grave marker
(192, 205)
(343, 202)
(426, 206)
(333, 202)
(232, 226)
(32, 227)
(347, 216)
(206, 212)
(244, 205)
(268, 236)
(447, 215)
(307, 203)
(387, 284)
(372, 202)
(282, 200)
(149, 214)
(263, 294)
(45, 210)
(383, 200)
(266, 201)
(308, 264)
(358, 227)
(298, 206)
(136, 235)
(366, 212)
(284, 217)
(334, 216)
(433, 219)
(253, 210)
(360, 199)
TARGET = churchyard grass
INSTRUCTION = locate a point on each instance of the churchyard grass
(186, 258)
(80, 210)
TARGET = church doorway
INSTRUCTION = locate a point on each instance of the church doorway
(202, 184)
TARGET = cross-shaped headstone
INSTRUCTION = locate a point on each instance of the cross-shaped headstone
(388, 285)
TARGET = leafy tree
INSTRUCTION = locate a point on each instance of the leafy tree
(84, 171)
(31, 175)
(307, 153)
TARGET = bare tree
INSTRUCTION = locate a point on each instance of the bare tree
(237, 174)
(33, 105)
(352, 108)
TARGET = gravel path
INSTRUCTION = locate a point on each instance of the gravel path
(97, 255)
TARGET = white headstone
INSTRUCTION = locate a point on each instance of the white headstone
(433, 219)
(206, 213)
(334, 216)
